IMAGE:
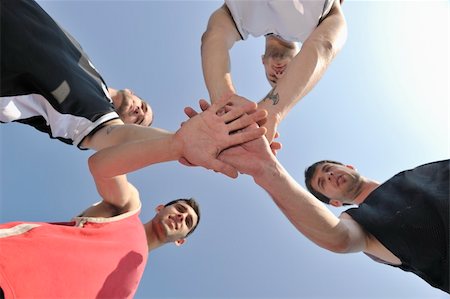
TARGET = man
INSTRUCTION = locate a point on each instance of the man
(403, 222)
(48, 82)
(320, 25)
(102, 253)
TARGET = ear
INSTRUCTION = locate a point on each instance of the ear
(263, 59)
(180, 242)
(335, 203)
(159, 208)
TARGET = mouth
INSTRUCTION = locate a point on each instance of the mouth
(172, 224)
(340, 180)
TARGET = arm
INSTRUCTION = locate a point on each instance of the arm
(218, 39)
(199, 141)
(306, 68)
(303, 210)
(109, 166)
(116, 132)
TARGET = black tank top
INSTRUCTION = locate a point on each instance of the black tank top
(409, 215)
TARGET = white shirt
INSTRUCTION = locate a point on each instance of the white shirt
(292, 20)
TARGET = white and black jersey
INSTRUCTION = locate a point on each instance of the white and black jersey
(46, 80)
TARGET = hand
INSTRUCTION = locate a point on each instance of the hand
(249, 157)
(205, 135)
(271, 122)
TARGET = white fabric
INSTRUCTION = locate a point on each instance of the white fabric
(17, 230)
(62, 125)
(292, 20)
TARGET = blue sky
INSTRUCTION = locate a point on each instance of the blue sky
(383, 106)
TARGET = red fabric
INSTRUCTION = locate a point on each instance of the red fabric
(98, 260)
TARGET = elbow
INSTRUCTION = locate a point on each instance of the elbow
(327, 48)
(340, 247)
(341, 244)
(92, 164)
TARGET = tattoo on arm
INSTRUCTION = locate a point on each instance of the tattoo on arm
(109, 129)
(272, 96)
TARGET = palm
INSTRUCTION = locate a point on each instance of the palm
(205, 135)
(248, 157)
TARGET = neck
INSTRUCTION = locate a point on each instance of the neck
(113, 93)
(367, 187)
(153, 241)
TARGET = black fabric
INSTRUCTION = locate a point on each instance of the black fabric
(409, 215)
(38, 57)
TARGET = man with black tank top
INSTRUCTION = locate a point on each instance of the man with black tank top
(47, 81)
(403, 222)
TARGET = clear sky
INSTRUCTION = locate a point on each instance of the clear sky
(383, 106)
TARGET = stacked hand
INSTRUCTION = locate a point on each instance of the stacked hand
(270, 122)
(205, 135)
(243, 156)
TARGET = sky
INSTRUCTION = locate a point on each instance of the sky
(382, 106)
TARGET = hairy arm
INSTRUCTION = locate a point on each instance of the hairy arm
(218, 39)
(307, 67)
(303, 210)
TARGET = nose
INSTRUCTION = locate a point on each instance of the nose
(278, 70)
(179, 217)
(329, 175)
(139, 111)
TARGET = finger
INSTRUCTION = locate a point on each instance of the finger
(275, 145)
(244, 136)
(204, 105)
(224, 168)
(236, 112)
(185, 162)
(190, 112)
(246, 120)
(220, 103)
(221, 111)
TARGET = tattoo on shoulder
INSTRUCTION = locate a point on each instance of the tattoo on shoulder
(272, 96)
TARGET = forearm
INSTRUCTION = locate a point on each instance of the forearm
(216, 67)
(309, 65)
(302, 209)
(127, 157)
(218, 39)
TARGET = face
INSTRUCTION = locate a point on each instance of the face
(133, 110)
(337, 182)
(176, 221)
(275, 60)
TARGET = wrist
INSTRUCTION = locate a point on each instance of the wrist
(176, 145)
(268, 173)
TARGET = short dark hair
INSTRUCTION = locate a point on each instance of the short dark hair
(309, 172)
(193, 204)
